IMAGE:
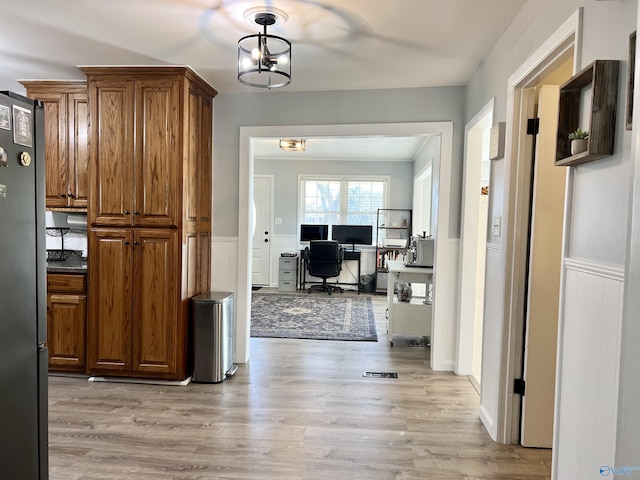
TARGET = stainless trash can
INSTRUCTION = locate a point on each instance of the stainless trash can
(212, 337)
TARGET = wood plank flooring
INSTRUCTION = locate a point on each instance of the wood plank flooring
(300, 409)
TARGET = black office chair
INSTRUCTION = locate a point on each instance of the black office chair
(324, 260)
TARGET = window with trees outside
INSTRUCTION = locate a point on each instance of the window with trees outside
(347, 200)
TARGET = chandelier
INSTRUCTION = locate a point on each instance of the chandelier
(264, 60)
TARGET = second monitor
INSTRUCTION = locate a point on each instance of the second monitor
(352, 234)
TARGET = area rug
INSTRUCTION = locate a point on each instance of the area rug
(317, 317)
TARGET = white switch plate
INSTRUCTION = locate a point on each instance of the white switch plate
(278, 221)
(497, 223)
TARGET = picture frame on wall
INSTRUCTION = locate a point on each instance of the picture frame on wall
(630, 79)
(22, 126)
(5, 117)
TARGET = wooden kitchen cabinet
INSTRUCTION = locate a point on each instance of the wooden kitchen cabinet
(149, 216)
(66, 322)
(133, 312)
(136, 148)
(66, 118)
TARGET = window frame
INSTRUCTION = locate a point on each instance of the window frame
(344, 181)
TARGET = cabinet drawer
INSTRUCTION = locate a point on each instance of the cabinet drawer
(288, 263)
(287, 285)
(65, 283)
(287, 275)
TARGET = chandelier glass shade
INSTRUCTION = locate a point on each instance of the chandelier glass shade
(264, 60)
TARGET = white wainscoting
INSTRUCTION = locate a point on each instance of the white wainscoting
(224, 278)
(588, 370)
(445, 307)
(492, 339)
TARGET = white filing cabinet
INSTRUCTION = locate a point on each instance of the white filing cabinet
(408, 318)
(288, 274)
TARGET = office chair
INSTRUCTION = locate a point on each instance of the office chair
(324, 260)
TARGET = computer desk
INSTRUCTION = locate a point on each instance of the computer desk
(347, 255)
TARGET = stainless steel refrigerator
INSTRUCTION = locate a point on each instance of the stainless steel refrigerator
(23, 296)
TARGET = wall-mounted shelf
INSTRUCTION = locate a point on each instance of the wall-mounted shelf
(602, 76)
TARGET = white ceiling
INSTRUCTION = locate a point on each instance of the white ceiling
(337, 44)
(392, 149)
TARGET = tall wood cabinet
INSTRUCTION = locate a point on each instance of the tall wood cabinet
(66, 118)
(149, 216)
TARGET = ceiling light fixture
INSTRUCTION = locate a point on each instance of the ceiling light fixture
(264, 60)
(293, 145)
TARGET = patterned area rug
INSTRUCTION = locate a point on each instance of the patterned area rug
(317, 317)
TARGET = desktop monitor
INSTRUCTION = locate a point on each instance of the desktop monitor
(352, 234)
(313, 232)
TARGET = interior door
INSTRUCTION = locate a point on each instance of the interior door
(262, 187)
(545, 258)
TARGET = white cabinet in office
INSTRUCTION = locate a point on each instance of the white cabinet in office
(411, 318)
(288, 274)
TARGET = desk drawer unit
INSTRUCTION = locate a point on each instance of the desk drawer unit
(288, 274)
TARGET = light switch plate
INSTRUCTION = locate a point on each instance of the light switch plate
(497, 226)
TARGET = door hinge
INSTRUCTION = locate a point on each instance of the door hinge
(518, 386)
(533, 126)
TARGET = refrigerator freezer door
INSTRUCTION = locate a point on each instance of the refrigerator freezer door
(22, 287)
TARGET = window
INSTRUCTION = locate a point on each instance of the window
(348, 200)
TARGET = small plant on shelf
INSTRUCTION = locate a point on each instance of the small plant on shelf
(579, 135)
(579, 141)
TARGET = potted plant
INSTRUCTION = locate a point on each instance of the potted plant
(579, 141)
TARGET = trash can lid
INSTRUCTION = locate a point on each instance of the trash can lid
(212, 297)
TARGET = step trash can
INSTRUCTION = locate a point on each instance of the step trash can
(213, 337)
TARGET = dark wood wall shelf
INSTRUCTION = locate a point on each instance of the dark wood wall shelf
(602, 75)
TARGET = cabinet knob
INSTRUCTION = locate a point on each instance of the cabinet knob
(136, 242)
(127, 212)
(71, 195)
(126, 242)
(63, 195)
(136, 212)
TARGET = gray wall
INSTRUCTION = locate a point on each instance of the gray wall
(232, 111)
(601, 188)
(286, 173)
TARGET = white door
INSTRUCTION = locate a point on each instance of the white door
(262, 195)
(545, 260)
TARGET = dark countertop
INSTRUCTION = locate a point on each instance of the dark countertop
(71, 265)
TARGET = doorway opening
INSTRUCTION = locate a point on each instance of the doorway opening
(442, 351)
(475, 210)
(520, 348)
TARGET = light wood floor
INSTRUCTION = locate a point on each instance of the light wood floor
(301, 409)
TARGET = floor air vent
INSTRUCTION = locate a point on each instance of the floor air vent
(380, 374)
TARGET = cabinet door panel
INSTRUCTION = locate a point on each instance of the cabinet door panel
(158, 153)
(110, 300)
(204, 213)
(156, 301)
(78, 121)
(66, 317)
(111, 164)
(55, 139)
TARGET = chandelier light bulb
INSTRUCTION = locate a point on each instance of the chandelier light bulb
(255, 53)
(283, 60)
